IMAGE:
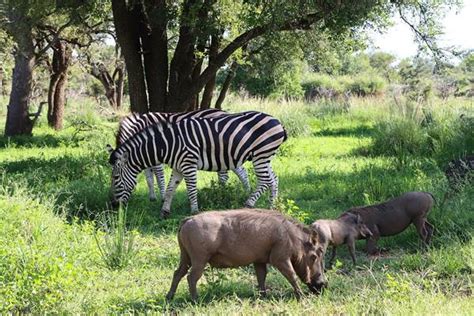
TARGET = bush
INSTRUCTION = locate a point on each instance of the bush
(324, 86)
(442, 138)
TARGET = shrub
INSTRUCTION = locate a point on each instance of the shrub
(324, 86)
(399, 137)
(365, 85)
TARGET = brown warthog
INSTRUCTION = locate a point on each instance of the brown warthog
(394, 216)
(344, 230)
(235, 238)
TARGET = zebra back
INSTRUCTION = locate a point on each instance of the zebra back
(135, 122)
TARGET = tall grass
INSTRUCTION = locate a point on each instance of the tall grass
(54, 260)
(117, 245)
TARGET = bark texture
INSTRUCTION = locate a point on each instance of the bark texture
(62, 53)
(18, 118)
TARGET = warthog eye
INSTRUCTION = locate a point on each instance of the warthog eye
(313, 257)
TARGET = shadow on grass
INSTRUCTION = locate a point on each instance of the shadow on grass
(47, 141)
(359, 130)
(226, 291)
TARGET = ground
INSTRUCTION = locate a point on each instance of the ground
(54, 188)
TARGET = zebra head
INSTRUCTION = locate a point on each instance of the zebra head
(124, 177)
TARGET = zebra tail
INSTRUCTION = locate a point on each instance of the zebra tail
(285, 134)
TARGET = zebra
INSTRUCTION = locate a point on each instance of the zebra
(196, 143)
(134, 123)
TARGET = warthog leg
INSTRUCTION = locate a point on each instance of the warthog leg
(183, 268)
(424, 229)
(261, 272)
(371, 244)
(351, 247)
(429, 230)
(197, 268)
(286, 268)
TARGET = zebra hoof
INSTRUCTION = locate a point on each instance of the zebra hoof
(164, 214)
(249, 206)
(153, 199)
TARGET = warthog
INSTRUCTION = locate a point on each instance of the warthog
(394, 216)
(227, 239)
(344, 230)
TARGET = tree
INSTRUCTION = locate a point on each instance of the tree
(97, 59)
(160, 83)
(62, 53)
(25, 21)
(383, 64)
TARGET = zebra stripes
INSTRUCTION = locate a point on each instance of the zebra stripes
(196, 143)
(134, 123)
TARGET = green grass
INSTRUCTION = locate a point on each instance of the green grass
(54, 188)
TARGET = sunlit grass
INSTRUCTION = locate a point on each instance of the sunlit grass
(54, 186)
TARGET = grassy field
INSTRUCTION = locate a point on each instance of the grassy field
(54, 188)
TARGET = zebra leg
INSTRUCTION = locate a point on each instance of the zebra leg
(175, 180)
(160, 178)
(243, 177)
(223, 177)
(264, 180)
(150, 183)
(190, 177)
(273, 187)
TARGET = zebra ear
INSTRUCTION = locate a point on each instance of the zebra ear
(109, 149)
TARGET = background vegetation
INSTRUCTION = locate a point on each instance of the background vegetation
(53, 214)
(363, 127)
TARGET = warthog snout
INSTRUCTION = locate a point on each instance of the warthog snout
(317, 287)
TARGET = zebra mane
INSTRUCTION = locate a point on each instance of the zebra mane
(128, 123)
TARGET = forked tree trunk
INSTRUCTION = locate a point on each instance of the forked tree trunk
(57, 86)
(18, 118)
(113, 85)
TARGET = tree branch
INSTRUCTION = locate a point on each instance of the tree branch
(56, 37)
(303, 23)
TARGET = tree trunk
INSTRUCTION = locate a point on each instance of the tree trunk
(226, 85)
(3, 82)
(18, 120)
(184, 60)
(128, 36)
(211, 84)
(118, 78)
(57, 87)
(99, 71)
(155, 52)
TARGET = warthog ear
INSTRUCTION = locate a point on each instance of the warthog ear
(314, 237)
(109, 149)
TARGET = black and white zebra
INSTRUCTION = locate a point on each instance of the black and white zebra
(213, 144)
(134, 123)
